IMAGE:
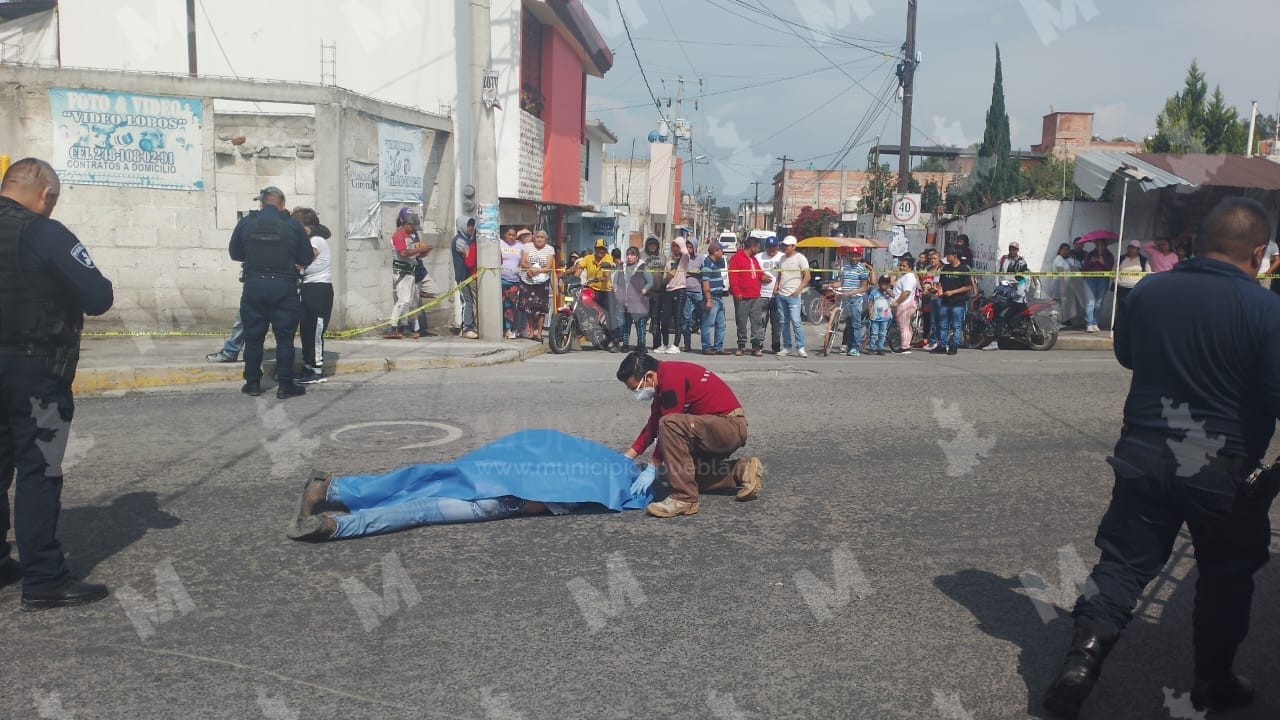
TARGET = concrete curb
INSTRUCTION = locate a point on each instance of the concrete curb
(97, 381)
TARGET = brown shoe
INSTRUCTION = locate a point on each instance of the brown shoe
(393, 336)
(757, 353)
(752, 479)
(314, 492)
(709, 351)
(740, 352)
(724, 352)
(671, 507)
(313, 528)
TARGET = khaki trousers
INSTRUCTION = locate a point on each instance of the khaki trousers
(696, 450)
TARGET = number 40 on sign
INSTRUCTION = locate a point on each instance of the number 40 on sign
(906, 209)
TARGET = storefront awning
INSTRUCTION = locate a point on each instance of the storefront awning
(1095, 169)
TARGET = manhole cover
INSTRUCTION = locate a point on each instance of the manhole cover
(396, 434)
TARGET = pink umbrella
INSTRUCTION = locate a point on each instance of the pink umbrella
(1098, 236)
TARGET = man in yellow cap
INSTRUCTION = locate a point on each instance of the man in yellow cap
(599, 266)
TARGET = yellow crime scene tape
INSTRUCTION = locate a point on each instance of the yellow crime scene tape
(433, 302)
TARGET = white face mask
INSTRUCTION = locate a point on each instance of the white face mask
(643, 394)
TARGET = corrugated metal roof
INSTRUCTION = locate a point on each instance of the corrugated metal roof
(1095, 169)
(1219, 170)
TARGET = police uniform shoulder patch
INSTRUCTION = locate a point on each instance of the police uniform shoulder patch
(81, 254)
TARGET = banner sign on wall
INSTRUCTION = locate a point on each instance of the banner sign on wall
(127, 139)
(362, 200)
(400, 162)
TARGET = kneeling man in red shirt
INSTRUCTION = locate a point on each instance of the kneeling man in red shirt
(698, 423)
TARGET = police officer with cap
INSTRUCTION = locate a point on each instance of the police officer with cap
(48, 283)
(1201, 412)
(273, 247)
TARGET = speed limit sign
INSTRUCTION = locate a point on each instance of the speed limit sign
(906, 209)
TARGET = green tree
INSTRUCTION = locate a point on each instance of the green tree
(1180, 125)
(813, 222)
(930, 197)
(877, 194)
(997, 174)
(932, 164)
(1266, 129)
(1222, 130)
(1052, 180)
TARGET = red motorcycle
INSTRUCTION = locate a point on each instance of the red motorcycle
(579, 315)
(1004, 318)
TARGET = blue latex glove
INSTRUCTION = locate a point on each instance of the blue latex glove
(644, 480)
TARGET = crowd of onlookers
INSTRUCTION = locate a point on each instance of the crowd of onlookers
(662, 301)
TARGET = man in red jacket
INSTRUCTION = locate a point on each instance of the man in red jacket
(698, 423)
(745, 279)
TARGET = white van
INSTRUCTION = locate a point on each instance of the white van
(728, 241)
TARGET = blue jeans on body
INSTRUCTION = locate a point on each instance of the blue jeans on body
(235, 341)
(387, 503)
(789, 309)
(713, 320)
(694, 302)
(952, 326)
(1095, 291)
(853, 322)
(878, 330)
(640, 321)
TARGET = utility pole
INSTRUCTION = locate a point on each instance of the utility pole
(755, 205)
(485, 179)
(780, 206)
(191, 38)
(908, 75)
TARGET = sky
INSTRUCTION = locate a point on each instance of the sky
(1119, 59)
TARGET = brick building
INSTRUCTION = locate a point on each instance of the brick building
(1067, 134)
(835, 189)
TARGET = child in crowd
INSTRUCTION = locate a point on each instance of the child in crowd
(880, 308)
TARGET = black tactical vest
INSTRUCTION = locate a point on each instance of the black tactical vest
(35, 315)
(267, 247)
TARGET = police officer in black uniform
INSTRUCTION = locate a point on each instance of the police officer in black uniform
(48, 283)
(1201, 410)
(272, 246)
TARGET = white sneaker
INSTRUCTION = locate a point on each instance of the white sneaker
(1091, 329)
(993, 346)
(673, 350)
(802, 353)
(471, 335)
(785, 352)
(510, 335)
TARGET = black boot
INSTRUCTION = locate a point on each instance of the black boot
(1216, 695)
(1090, 644)
(288, 389)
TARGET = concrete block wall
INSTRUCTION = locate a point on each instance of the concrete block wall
(166, 251)
(364, 291)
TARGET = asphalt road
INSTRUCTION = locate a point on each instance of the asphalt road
(877, 576)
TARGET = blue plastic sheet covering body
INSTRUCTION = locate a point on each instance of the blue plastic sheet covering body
(539, 465)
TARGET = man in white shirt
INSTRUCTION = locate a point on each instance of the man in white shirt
(769, 260)
(793, 278)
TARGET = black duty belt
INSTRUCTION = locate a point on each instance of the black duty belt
(271, 275)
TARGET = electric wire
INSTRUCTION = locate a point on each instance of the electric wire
(627, 27)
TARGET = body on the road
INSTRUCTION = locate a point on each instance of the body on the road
(526, 473)
(1201, 411)
(48, 283)
(698, 423)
